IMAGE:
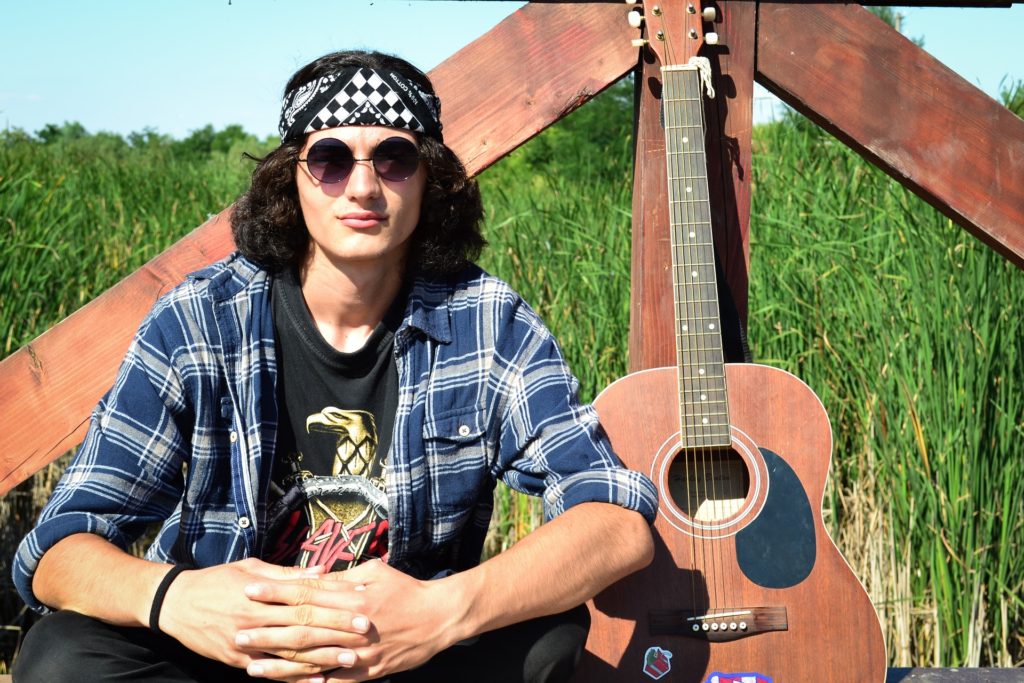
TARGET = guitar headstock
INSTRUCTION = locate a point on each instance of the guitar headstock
(675, 29)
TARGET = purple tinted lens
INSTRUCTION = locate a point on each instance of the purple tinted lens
(330, 160)
(396, 159)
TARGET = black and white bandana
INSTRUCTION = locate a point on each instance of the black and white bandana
(358, 96)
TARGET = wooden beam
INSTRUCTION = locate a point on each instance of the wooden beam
(903, 110)
(533, 68)
(49, 386)
(729, 123)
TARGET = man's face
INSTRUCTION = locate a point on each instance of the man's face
(363, 218)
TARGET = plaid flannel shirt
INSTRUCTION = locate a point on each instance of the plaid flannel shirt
(185, 438)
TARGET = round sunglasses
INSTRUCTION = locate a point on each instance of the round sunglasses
(330, 160)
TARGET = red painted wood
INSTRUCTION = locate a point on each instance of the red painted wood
(49, 386)
(729, 123)
(534, 67)
(903, 110)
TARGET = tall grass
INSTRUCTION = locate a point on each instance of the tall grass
(78, 215)
(906, 327)
(909, 329)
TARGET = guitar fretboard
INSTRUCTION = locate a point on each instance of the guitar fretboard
(703, 402)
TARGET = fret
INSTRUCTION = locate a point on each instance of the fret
(718, 422)
(703, 378)
(722, 440)
(702, 408)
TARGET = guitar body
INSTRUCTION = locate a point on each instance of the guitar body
(745, 560)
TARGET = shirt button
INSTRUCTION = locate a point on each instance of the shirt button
(463, 430)
(243, 522)
(234, 437)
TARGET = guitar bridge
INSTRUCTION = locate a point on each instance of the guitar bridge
(719, 626)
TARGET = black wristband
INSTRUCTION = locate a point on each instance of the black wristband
(161, 593)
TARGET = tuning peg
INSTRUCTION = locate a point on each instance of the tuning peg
(709, 14)
(711, 38)
(638, 42)
(635, 19)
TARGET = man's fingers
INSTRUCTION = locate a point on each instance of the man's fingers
(334, 594)
(279, 572)
(339, 664)
(299, 639)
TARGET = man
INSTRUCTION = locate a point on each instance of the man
(340, 396)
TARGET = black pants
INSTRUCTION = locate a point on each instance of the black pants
(68, 646)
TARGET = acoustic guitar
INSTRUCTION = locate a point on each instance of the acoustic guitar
(746, 585)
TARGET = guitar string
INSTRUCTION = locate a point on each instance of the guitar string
(711, 340)
(683, 220)
(695, 541)
(712, 351)
(696, 199)
(704, 390)
(680, 218)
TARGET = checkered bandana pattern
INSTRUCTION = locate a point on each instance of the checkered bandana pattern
(359, 97)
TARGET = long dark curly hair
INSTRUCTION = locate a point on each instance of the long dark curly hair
(267, 221)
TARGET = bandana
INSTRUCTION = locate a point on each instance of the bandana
(358, 96)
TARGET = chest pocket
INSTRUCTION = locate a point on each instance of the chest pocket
(457, 459)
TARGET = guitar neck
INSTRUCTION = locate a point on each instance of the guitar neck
(703, 401)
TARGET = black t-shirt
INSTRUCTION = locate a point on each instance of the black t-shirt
(327, 502)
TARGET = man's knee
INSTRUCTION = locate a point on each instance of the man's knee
(54, 647)
(557, 652)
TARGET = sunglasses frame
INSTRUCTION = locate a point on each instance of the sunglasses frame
(336, 144)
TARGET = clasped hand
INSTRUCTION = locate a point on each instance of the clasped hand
(304, 626)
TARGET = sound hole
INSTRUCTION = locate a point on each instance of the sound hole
(709, 485)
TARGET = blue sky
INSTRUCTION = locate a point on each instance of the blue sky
(177, 65)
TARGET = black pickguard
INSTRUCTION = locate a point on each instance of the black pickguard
(777, 550)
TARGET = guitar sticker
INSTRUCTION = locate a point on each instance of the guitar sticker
(738, 678)
(657, 662)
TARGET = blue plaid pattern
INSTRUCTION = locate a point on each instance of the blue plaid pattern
(185, 438)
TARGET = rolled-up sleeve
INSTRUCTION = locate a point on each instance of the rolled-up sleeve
(552, 445)
(128, 472)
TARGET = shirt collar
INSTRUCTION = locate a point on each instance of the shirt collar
(429, 309)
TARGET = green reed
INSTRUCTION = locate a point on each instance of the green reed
(909, 330)
(79, 215)
(906, 327)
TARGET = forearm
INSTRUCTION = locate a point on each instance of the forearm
(559, 565)
(88, 574)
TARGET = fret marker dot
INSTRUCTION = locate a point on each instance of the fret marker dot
(693, 234)
(711, 326)
(685, 328)
(689, 189)
(686, 139)
(705, 420)
(703, 397)
(693, 273)
(701, 371)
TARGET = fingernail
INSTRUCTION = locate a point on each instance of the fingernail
(347, 658)
(360, 623)
(242, 639)
(360, 587)
(255, 669)
(252, 589)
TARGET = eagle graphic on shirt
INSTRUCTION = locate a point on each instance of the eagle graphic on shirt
(346, 512)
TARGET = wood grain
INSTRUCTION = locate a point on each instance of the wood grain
(833, 633)
(903, 110)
